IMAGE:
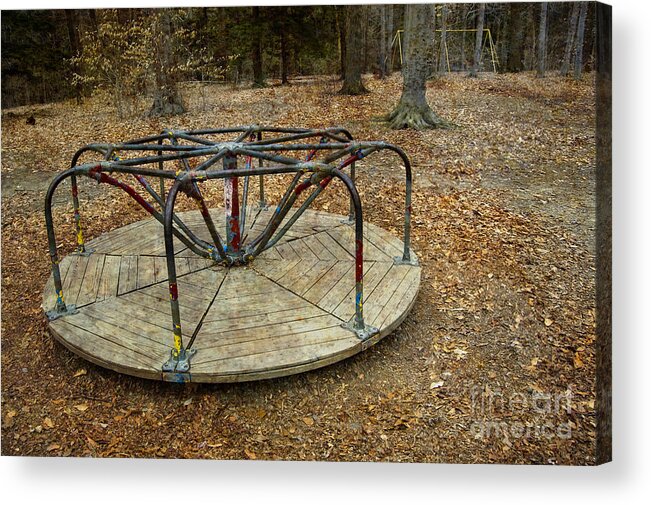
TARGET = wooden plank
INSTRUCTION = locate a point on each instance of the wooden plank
(374, 272)
(105, 346)
(160, 268)
(264, 338)
(237, 322)
(254, 305)
(146, 271)
(49, 293)
(400, 298)
(270, 254)
(113, 240)
(154, 311)
(275, 269)
(345, 237)
(128, 279)
(91, 281)
(296, 334)
(336, 340)
(108, 284)
(150, 327)
(311, 276)
(303, 251)
(338, 291)
(383, 240)
(287, 252)
(333, 246)
(321, 288)
(74, 278)
(318, 249)
(384, 291)
(279, 315)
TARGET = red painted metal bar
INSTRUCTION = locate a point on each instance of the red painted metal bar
(232, 206)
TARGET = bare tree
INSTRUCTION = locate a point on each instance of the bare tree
(256, 51)
(443, 51)
(382, 45)
(413, 111)
(569, 42)
(542, 41)
(479, 37)
(354, 62)
(580, 33)
(72, 21)
(167, 100)
(388, 12)
(515, 59)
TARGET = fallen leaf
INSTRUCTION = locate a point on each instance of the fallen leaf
(578, 363)
(548, 322)
(308, 420)
(435, 385)
(187, 402)
(80, 372)
(459, 353)
(53, 447)
(250, 454)
(82, 407)
(48, 423)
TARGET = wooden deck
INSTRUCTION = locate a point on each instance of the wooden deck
(279, 315)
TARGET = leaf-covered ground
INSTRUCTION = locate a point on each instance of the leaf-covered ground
(494, 364)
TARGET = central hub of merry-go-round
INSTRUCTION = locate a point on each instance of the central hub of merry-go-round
(246, 291)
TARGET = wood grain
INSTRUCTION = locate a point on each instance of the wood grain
(279, 315)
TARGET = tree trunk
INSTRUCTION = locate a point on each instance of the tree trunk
(569, 43)
(341, 28)
(256, 52)
(284, 57)
(389, 37)
(463, 38)
(73, 35)
(515, 59)
(443, 51)
(479, 38)
(542, 41)
(354, 59)
(382, 46)
(413, 110)
(167, 100)
(92, 15)
(580, 32)
(432, 42)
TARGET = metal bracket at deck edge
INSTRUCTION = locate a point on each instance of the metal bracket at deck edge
(179, 363)
(86, 252)
(399, 260)
(362, 333)
(55, 314)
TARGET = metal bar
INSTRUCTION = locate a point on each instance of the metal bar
(177, 220)
(260, 241)
(81, 247)
(299, 212)
(406, 256)
(171, 271)
(195, 193)
(359, 249)
(245, 195)
(261, 202)
(231, 205)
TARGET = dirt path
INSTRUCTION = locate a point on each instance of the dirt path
(494, 364)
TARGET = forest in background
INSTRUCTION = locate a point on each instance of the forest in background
(53, 55)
